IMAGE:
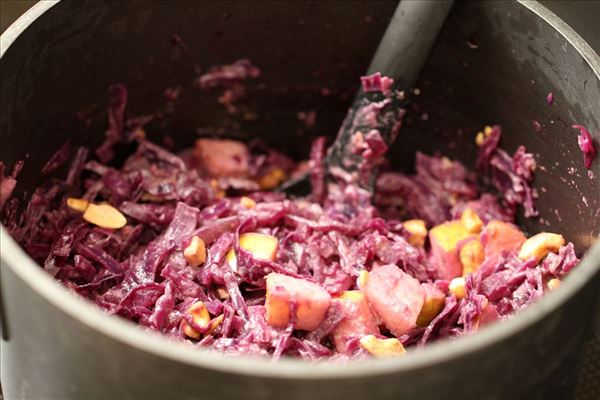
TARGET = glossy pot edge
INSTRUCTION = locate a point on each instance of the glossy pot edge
(26, 269)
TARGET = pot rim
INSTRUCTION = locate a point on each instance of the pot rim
(126, 332)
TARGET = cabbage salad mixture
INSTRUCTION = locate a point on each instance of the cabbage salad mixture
(197, 245)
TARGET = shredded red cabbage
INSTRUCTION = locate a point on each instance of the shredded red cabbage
(351, 267)
(430, 194)
(376, 83)
(586, 144)
(116, 115)
(511, 176)
(230, 79)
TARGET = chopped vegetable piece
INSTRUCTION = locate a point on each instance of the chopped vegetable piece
(222, 293)
(200, 320)
(488, 314)
(195, 252)
(553, 283)
(189, 331)
(510, 175)
(286, 294)
(471, 220)
(457, 287)
(223, 158)
(247, 202)
(262, 247)
(104, 216)
(383, 348)
(396, 297)
(471, 256)
(214, 324)
(538, 246)
(361, 281)
(376, 83)
(417, 230)
(586, 144)
(272, 179)
(481, 136)
(358, 320)
(498, 237)
(77, 204)
(444, 240)
(433, 304)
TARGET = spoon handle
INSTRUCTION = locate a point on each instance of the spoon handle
(408, 40)
(403, 50)
(400, 55)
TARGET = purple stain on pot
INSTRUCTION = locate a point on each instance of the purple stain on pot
(550, 98)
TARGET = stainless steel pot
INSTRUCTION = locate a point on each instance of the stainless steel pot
(494, 63)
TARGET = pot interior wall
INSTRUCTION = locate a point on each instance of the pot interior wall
(495, 62)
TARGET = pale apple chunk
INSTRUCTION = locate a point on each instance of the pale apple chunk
(286, 294)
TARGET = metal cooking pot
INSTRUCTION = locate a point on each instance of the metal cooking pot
(494, 63)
